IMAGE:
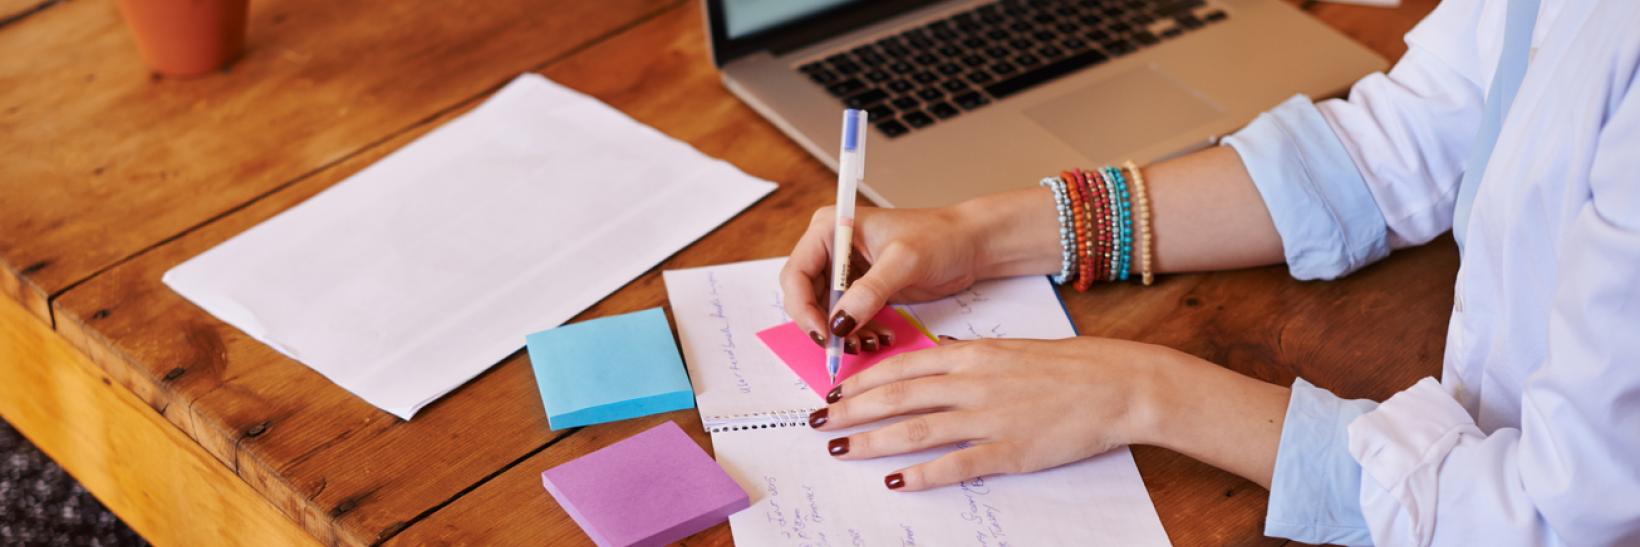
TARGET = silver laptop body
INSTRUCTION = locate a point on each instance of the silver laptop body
(1169, 80)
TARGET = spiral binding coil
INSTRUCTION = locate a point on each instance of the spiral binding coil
(759, 420)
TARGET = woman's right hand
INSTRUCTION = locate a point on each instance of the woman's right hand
(918, 254)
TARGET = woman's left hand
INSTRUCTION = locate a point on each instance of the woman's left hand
(1021, 405)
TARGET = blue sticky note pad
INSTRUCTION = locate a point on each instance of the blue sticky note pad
(610, 368)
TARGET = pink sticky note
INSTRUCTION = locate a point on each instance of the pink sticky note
(798, 351)
(652, 488)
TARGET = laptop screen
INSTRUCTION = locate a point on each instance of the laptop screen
(742, 18)
(741, 27)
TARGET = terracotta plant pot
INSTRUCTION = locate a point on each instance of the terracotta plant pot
(186, 37)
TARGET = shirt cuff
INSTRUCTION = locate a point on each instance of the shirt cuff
(1315, 490)
(1329, 223)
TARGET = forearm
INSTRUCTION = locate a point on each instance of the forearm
(1206, 215)
(1212, 414)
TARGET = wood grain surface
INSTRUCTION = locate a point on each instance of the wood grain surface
(114, 445)
(274, 131)
(103, 160)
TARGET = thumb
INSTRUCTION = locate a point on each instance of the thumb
(867, 295)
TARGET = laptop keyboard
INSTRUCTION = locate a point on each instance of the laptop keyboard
(939, 70)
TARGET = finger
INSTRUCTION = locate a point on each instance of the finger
(909, 435)
(803, 271)
(897, 368)
(894, 271)
(868, 340)
(958, 466)
(916, 395)
(851, 345)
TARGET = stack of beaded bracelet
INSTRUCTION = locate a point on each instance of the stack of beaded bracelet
(1097, 232)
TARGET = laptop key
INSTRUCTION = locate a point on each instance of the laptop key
(877, 76)
(865, 98)
(892, 128)
(1118, 47)
(949, 69)
(1189, 21)
(823, 77)
(971, 100)
(1214, 16)
(846, 87)
(1073, 44)
(846, 67)
(1174, 32)
(1027, 60)
(872, 59)
(925, 77)
(1177, 6)
(979, 77)
(1049, 52)
(901, 67)
(879, 112)
(899, 86)
(917, 119)
(998, 52)
(926, 59)
(1045, 73)
(973, 42)
(943, 110)
(954, 86)
(950, 51)
(896, 51)
(810, 68)
(1144, 37)
(929, 94)
(973, 60)
(904, 103)
(1003, 69)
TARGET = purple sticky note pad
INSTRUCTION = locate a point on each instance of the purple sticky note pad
(652, 488)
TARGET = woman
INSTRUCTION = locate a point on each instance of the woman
(1514, 124)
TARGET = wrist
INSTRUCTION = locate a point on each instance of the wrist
(1147, 415)
(1013, 233)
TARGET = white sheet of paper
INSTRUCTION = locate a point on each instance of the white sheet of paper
(421, 271)
(802, 496)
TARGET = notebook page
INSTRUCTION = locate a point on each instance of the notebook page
(802, 496)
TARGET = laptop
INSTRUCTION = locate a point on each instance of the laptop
(968, 98)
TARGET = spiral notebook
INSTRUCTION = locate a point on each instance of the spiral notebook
(756, 410)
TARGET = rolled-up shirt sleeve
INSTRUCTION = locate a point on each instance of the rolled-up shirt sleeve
(1345, 181)
(1315, 489)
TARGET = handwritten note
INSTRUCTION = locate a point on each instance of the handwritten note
(802, 496)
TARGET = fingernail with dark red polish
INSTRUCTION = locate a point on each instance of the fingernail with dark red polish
(868, 344)
(895, 481)
(886, 339)
(948, 338)
(841, 323)
(836, 394)
(818, 340)
(850, 348)
(818, 418)
(838, 446)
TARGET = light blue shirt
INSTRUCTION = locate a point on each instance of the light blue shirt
(1401, 162)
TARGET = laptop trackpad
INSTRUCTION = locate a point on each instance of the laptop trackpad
(1125, 113)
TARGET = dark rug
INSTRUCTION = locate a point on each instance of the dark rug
(40, 504)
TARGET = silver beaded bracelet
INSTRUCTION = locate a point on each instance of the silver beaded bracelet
(1067, 239)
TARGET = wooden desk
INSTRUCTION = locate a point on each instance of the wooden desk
(197, 434)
